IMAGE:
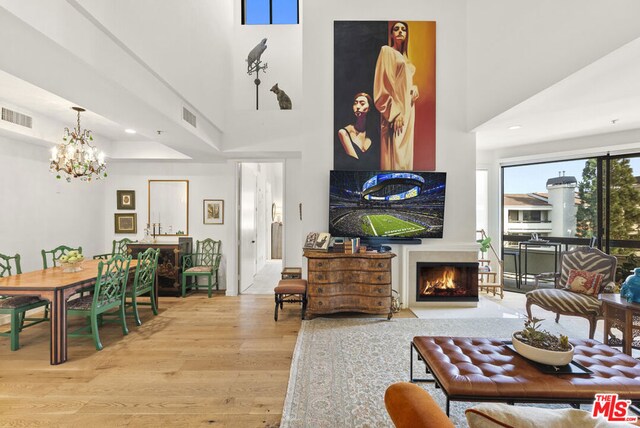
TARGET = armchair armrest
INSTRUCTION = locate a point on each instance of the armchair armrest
(547, 276)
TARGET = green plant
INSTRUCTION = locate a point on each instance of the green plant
(485, 244)
(532, 335)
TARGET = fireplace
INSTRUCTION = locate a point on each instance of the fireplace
(446, 282)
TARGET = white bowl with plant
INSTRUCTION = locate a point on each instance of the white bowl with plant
(541, 346)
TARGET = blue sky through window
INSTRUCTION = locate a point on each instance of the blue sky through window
(533, 178)
(285, 11)
(258, 12)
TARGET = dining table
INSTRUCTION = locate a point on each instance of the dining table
(57, 286)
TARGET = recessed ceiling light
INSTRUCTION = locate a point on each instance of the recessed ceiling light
(514, 127)
(130, 131)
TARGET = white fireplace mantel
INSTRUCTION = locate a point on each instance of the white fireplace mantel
(433, 251)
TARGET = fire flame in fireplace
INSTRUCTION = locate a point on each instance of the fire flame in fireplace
(445, 281)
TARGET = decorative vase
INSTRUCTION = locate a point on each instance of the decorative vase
(631, 287)
(543, 356)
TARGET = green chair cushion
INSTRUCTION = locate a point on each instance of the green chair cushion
(17, 301)
(558, 299)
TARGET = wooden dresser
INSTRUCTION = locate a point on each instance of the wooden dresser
(339, 282)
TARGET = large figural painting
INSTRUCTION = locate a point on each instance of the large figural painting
(384, 95)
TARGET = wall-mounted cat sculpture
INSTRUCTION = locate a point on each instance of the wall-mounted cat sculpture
(283, 99)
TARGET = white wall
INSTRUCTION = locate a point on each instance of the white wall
(316, 130)
(206, 181)
(283, 57)
(519, 47)
(40, 212)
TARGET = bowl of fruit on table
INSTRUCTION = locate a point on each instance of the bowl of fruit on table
(72, 261)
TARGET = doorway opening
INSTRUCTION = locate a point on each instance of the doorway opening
(260, 228)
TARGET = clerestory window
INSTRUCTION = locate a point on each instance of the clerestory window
(265, 12)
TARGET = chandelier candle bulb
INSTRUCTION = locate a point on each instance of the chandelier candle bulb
(76, 157)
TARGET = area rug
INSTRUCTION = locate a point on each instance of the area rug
(342, 367)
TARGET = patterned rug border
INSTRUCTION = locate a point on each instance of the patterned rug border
(339, 372)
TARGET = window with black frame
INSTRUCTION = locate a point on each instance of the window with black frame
(266, 12)
(556, 206)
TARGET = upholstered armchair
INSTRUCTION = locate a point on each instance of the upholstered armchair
(563, 299)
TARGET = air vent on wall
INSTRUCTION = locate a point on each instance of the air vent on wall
(189, 117)
(17, 118)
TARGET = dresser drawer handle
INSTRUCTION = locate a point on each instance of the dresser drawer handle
(319, 290)
(379, 303)
(320, 264)
(319, 303)
(379, 277)
(380, 290)
(380, 264)
(320, 277)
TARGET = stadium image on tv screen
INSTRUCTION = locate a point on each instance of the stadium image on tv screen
(392, 204)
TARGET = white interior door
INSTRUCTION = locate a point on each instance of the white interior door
(248, 229)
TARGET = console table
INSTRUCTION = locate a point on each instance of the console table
(339, 282)
(169, 272)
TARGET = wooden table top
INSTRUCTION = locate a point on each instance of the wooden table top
(53, 277)
(616, 300)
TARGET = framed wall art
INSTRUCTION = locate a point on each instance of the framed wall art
(384, 95)
(126, 199)
(126, 223)
(213, 211)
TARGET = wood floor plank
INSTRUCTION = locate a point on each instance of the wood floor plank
(219, 362)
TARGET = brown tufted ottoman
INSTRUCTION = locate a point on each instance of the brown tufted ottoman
(290, 291)
(480, 369)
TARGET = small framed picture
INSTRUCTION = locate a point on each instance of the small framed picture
(213, 211)
(126, 223)
(126, 199)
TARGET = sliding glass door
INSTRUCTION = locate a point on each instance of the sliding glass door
(589, 201)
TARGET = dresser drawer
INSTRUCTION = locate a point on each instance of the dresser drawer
(337, 289)
(349, 303)
(349, 263)
(347, 277)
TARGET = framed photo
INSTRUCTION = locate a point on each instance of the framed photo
(213, 211)
(126, 199)
(126, 223)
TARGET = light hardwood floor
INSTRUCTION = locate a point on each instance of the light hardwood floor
(217, 362)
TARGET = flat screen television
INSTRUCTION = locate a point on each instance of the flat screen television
(382, 206)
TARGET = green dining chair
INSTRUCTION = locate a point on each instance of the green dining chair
(204, 262)
(117, 247)
(108, 294)
(55, 254)
(143, 282)
(17, 306)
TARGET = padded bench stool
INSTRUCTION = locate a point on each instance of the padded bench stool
(291, 291)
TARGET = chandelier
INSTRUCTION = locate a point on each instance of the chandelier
(75, 157)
